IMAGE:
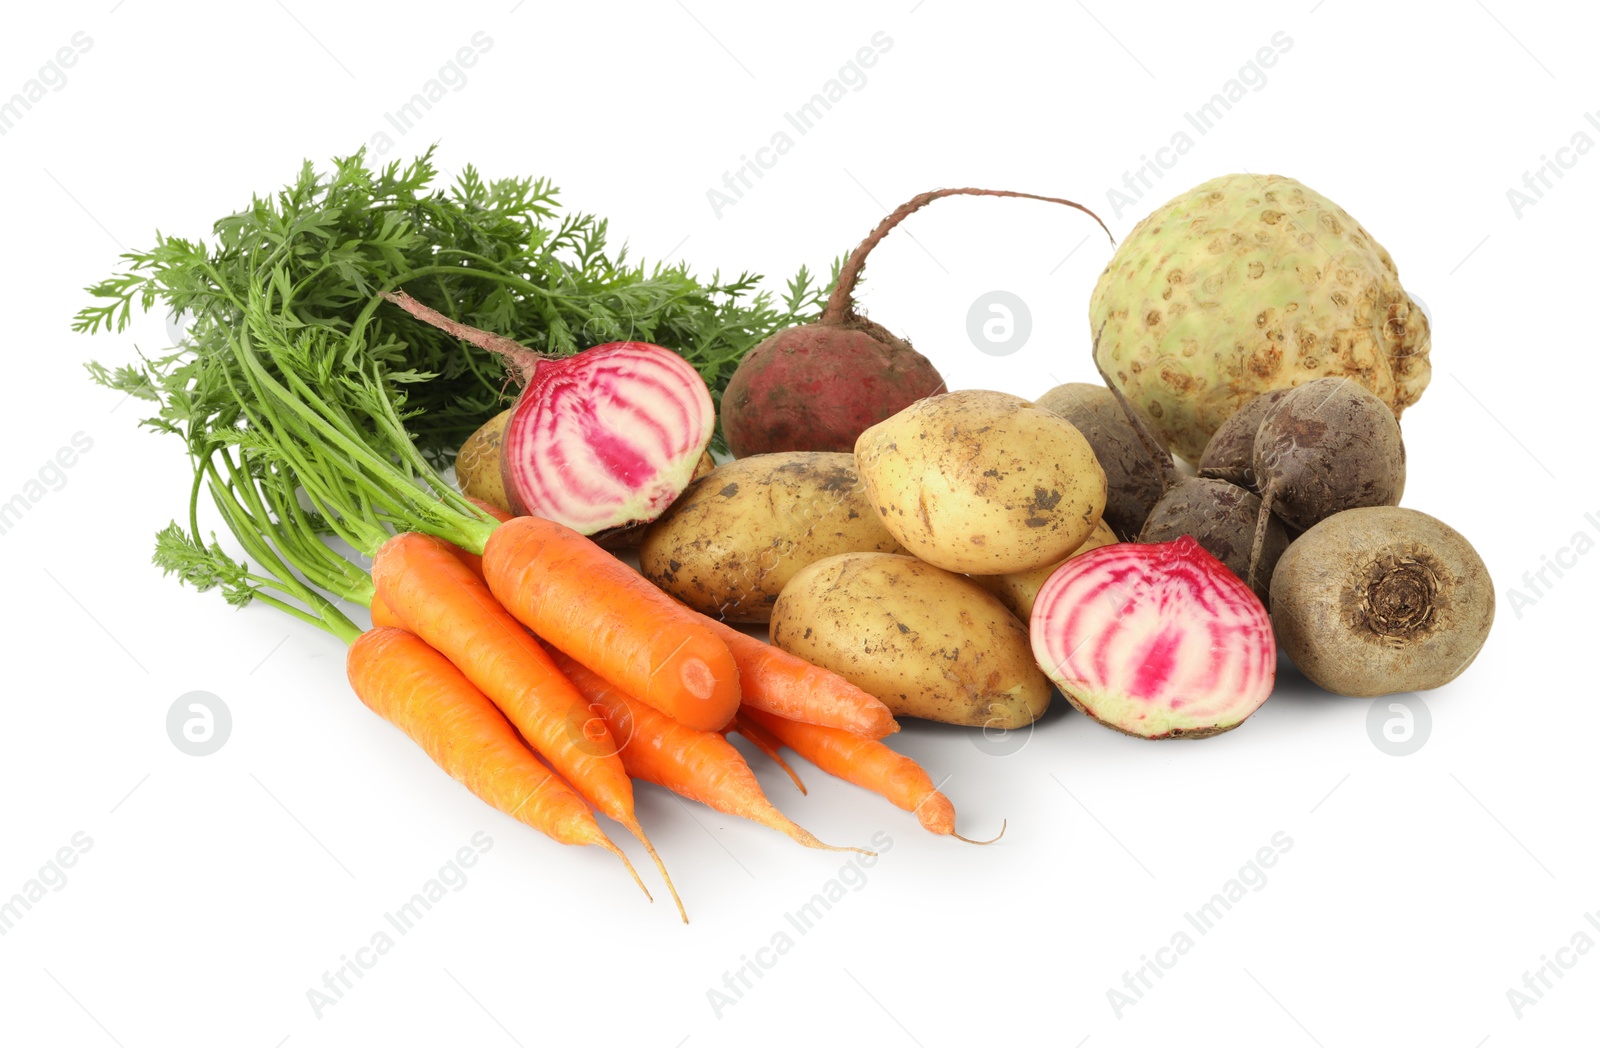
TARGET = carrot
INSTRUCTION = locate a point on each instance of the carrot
(788, 686)
(605, 615)
(700, 765)
(420, 692)
(382, 616)
(490, 508)
(767, 743)
(441, 600)
(872, 766)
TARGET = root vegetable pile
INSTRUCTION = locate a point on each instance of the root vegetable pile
(916, 552)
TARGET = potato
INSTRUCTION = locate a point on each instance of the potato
(982, 482)
(735, 537)
(927, 642)
(1017, 590)
(478, 463)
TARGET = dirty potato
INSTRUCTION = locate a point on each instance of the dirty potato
(1018, 589)
(927, 642)
(736, 536)
(982, 482)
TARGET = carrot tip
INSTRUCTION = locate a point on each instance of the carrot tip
(614, 850)
(638, 831)
(991, 840)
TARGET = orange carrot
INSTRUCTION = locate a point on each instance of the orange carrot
(869, 764)
(382, 616)
(490, 508)
(788, 686)
(767, 743)
(700, 765)
(441, 600)
(607, 616)
(420, 692)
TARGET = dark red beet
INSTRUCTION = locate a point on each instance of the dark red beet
(816, 387)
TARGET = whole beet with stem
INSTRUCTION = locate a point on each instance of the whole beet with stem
(1220, 516)
(817, 387)
(1327, 446)
(1230, 454)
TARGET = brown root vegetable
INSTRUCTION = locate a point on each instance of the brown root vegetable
(1379, 600)
(818, 387)
(1222, 518)
(1230, 453)
(1018, 589)
(1328, 446)
(1135, 478)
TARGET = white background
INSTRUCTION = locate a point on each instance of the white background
(218, 890)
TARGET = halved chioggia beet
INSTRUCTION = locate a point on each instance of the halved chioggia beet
(1158, 640)
(599, 440)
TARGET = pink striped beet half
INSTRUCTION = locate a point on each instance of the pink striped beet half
(607, 437)
(1158, 640)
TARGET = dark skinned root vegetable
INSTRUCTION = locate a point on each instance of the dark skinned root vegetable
(1327, 446)
(818, 386)
(1222, 518)
(1159, 641)
(1135, 480)
(1380, 600)
(1230, 454)
(598, 441)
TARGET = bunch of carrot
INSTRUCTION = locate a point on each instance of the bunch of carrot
(549, 647)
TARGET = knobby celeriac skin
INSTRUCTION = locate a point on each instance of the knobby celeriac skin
(1155, 640)
(736, 536)
(926, 642)
(1382, 599)
(1248, 283)
(982, 482)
